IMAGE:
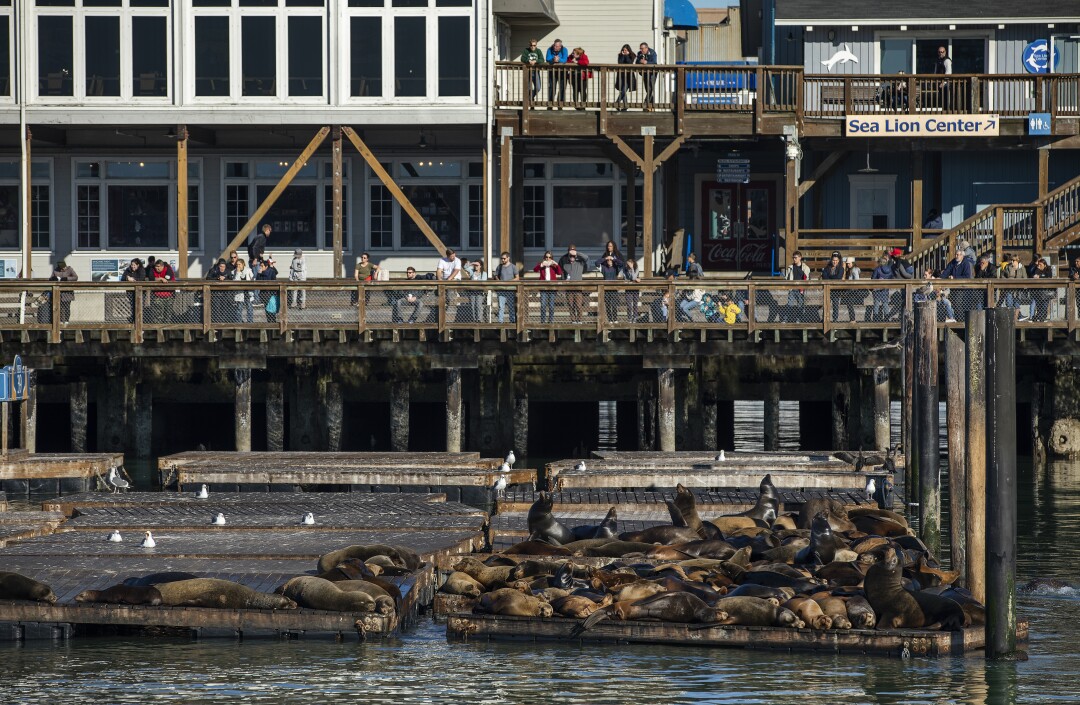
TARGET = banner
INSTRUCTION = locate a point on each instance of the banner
(921, 125)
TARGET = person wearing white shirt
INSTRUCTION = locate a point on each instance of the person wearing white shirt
(449, 268)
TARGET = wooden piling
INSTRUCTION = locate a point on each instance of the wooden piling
(926, 423)
(275, 416)
(1001, 483)
(709, 429)
(772, 416)
(399, 416)
(453, 410)
(28, 417)
(975, 458)
(521, 425)
(78, 416)
(907, 400)
(882, 413)
(955, 399)
(665, 407)
(242, 408)
(333, 412)
(142, 425)
(840, 409)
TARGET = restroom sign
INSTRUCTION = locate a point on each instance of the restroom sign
(922, 125)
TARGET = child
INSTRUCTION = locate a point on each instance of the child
(298, 273)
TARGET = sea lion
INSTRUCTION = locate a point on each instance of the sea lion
(728, 525)
(767, 507)
(974, 610)
(679, 607)
(350, 569)
(673, 584)
(384, 603)
(637, 591)
(606, 529)
(665, 535)
(787, 552)
(157, 578)
(940, 611)
(1045, 585)
(720, 550)
(931, 576)
(122, 595)
(787, 521)
(14, 586)
(838, 518)
(386, 566)
(810, 612)
(685, 504)
(877, 512)
(779, 594)
(849, 574)
(458, 583)
(550, 594)
(860, 612)
(895, 607)
(823, 545)
(543, 525)
(529, 569)
(880, 526)
(617, 549)
(666, 553)
(513, 603)
(772, 579)
(485, 575)
(318, 594)
(574, 606)
(220, 594)
(401, 556)
(575, 547)
(536, 548)
(835, 608)
(757, 612)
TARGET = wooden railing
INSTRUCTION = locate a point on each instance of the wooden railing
(141, 311)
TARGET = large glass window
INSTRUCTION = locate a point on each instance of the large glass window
(410, 58)
(56, 65)
(5, 52)
(917, 51)
(139, 216)
(149, 56)
(259, 51)
(294, 215)
(11, 209)
(581, 215)
(365, 56)
(535, 206)
(454, 57)
(212, 56)
(448, 195)
(305, 56)
(440, 206)
(102, 56)
(579, 202)
(381, 209)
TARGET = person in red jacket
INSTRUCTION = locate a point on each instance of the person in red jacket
(580, 82)
(161, 299)
(549, 271)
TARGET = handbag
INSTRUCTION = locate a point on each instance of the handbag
(272, 304)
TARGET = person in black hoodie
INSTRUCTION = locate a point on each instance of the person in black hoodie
(984, 268)
(625, 80)
(267, 271)
(834, 270)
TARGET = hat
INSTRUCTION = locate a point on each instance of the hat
(836, 254)
(849, 260)
(61, 264)
(963, 244)
(298, 252)
(572, 247)
(896, 252)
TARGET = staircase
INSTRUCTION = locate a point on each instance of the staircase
(1012, 227)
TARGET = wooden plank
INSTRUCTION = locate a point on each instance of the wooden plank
(56, 465)
(275, 193)
(376, 475)
(627, 151)
(916, 197)
(419, 503)
(791, 211)
(27, 220)
(821, 171)
(406, 206)
(182, 200)
(1044, 186)
(319, 458)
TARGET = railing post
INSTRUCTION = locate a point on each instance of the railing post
(751, 310)
(912, 96)
(522, 308)
(361, 309)
(680, 98)
(283, 309)
(526, 97)
(1038, 92)
(206, 313)
(54, 305)
(671, 308)
(138, 314)
(759, 76)
(848, 104)
(442, 293)
(600, 86)
(999, 232)
(800, 96)
(601, 311)
(826, 308)
(1070, 306)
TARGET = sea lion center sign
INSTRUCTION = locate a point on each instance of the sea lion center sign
(937, 125)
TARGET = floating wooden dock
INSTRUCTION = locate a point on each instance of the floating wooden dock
(23, 474)
(715, 502)
(476, 627)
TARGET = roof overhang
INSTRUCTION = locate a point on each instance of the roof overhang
(892, 21)
(537, 10)
(681, 13)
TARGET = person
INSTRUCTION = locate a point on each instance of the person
(1074, 268)
(245, 300)
(610, 248)
(230, 264)
(933, 220)
(943, 66)
(625, 80)
(693, 269)
(633, 296)
(959, 268)
(506, 271)
(834, 271)
(894, 95)
(902, 269)
(161, 299)
(574, 267)
(449, 267)
(1015, 298)
(884, 270)
(852, 273)
(64, 273)
(796, 271)
(549, 271)
(726, 310)
(556, 56)
(364, 271)
(476, 298)
(580, 79)
(267, 271)
(410, 306)
(647, 57)
(927, 292)
(984, 268)
(1041, 297)
(134, 272)
(533, 57)
(298, 273)
(611, 267)
(969, 251)
(661, 306)
(257, 243)
(219, 272)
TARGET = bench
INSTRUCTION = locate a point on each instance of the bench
(863, 96)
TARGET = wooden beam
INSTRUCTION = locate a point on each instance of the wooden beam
(627, 152)
(827, 165)
(28, 220)
(273, 196)
(394, 189)
(631, 212)
(182, 200)
(648, 169)
(1044, 188)
(506, 159)
(671, 149)
(916, 199)
(791, 212)
(338, 214)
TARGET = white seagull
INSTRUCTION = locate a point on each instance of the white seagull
(500, 485)
(115, 537)
(871, 488)
(580, 465)
(218, 520)
(510, 459)
(720, 458)
(148, 540)
(203, 492)
(308, 519)
(504, 468)
(118, 483)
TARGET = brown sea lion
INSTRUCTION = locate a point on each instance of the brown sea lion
(823, 544)
(220, 594)
(895, 607)
(384, 603)
(786, 521)
(574, 606)
(867, 544)
(157, 578)
(14, 586)
(512, 603)
(617, 549)
(318, 594)
(772, 579)
(577, 546)
(787, 552)
(606, 529)
(122, 595)
(531, 568)
(401, 556)
(665, 535)
(930, 576)
(751, 611)
(767, 507)
(679, 607)
(779, 595)
(876, 512)
(350, 569)
(835, 608)
(386, 566)
(841, 573)
(860, 612)
(536, 548)
(974, 610)
(666, 553)
(940, 612)
(637, 591)
(728, 525)
(550, 594)
(458, 583)
(880, 526)
(685, 504)
(485, 575)
(716, 549)
(810, 612)
(543, 524)
(837, 513)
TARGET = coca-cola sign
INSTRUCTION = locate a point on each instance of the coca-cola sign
(738, 226)
(728, 254)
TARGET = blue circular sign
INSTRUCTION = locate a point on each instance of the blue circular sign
(1036, 57)
(18, 379)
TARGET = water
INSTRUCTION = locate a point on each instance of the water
(423, 667)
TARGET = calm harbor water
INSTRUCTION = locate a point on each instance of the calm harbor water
(423, 667)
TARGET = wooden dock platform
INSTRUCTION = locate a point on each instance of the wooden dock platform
(23, 474)
(476, 627)
(594, 502)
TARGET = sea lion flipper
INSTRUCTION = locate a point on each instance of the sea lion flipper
(676, 516)
(589, 622)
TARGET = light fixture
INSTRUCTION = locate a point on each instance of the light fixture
(669, 23)
(903, 28)
(868, 169)
(423, 141)
(854, 28)
(831, 35)
(809, 28)
(791, 36)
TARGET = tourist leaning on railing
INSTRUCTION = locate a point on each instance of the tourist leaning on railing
(549, 271)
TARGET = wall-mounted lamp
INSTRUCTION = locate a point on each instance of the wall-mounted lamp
(423, 141)
(669, 23)
(831, 35)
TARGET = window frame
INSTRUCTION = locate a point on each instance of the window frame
(78, 15)
(947, 36)
(235, 13)
(47, 162)
(874, 181)
(9, 12)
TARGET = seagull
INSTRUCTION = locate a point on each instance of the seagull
(115, 537)
(504, 468)
(580, 465)
(510, 459)
(308, 519)
(203, 492)
(871, 488)
(720, 458)
(148, 540)
(218, 520)
(118, 483)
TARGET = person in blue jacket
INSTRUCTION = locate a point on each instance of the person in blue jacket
(556, 56)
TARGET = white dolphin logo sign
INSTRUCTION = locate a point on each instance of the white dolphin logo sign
(843, 56)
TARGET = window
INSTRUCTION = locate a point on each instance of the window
(102, 49)
(534, 230)
(266, 50)
(916, 51)
(5, 51)
(873, 199)
(11, 198)
(132, 205)
(639, 211)
(581, 215)
(448, 194)
(440, 206)
(382, 217)
(476, 214)
(579, 202)
(410, 49)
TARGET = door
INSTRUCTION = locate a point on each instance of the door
(738, 222)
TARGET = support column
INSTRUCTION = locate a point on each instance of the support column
(242, 408)
(453, 410)
(78, 416)
(882, 413)
(304, 431)
(648, 176)
(182, 200)
(646, 410)
(955, 396)
(630, 185)
(926, 378)
(332, 411)
(791, 209)
(143, 422)
(1040, 424)
(708, 422)
(725, 424)
(336, 190)
(505, 145)
(275, 416)
(1044, 187)
(840, 407)
(907, 388)
(28, 427)
(916, 198)
(975, 456)
(772, 416)
(665, 407)
(115, 398)
(399, 416)
(521, 425)
(488, 393)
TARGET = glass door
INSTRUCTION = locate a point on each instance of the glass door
(737, 224)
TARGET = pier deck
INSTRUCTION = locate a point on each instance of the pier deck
(23, 473)
(434, 502)
(596, 501)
